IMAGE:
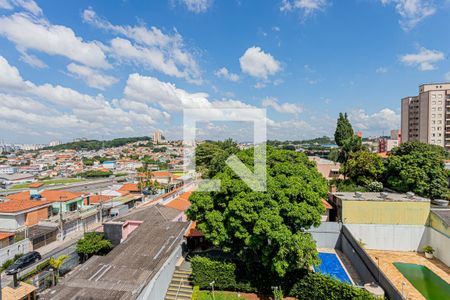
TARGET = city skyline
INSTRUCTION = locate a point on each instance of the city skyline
(102, 71)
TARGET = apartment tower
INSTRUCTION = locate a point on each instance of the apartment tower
(426, 117)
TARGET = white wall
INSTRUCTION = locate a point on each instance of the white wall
(389, 237)
(22, 246)
(440, 243)
(8, 222)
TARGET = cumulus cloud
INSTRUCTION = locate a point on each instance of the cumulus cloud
(64, 112)
(286, 108)
(92, 77)
(197, 6)
(412, 11)
(38, 34)
(425, 59)
(383, 120)
(307, 7)
(381, 70)
(257, 63)
(150, 47)
(224, 73)
(28, 5)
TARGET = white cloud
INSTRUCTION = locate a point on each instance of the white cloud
(383, 120)
(381, 70)
(93, 78)
(412, 11)
(259, 85)
(60, 112)
(224, 73)
(197, 6)
(32, 60)
(27, 32)
(425, 59)
(28, 5)
(307, 7)
(287, 108)
(258, 63)
(150, 47)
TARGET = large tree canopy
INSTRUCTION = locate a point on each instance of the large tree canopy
(210, 156)
(363, 167)
(344, 130)
(265, 228)
(417, 167)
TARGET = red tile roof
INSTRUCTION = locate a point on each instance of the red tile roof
(57, 196)
(193, 231)
(180, 203)
(93, 199)
(17, 204)
(129, 187)
(4, 235)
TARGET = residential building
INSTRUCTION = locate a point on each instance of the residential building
(329, 169)
(157, 137)
(426, 117)
(18, 212)
(5, 169)
(148, 246)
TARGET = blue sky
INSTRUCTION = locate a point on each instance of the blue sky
(104, 69)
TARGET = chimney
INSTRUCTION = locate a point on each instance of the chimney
(15, 281)
(333, 188)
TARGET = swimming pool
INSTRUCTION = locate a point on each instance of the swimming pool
(331, 265)
(430, 285)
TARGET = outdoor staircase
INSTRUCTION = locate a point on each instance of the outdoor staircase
(181, 286)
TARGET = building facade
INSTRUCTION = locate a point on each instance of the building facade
(426, 117)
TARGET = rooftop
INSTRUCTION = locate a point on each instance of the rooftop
(129, 267)
(20, 292)
(390, 197)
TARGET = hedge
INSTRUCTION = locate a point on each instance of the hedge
(316, 286)
(39, 268)
(206, 270)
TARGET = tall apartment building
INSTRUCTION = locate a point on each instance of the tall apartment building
(426, 117)
(157, 137)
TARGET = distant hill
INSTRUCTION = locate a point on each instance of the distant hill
(319, 140)
(96, 145)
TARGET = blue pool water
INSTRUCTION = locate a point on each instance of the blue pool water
(331, 265)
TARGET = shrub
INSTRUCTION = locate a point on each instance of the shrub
(195, 292)
(428, 249)
(316, 286)
(39, 268)
(206, 270)
(375, 186)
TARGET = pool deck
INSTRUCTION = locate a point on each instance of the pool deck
(387, 258)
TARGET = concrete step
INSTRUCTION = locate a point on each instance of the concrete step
(189, 272)
(182, 287)
(179, 294)
(177, 298)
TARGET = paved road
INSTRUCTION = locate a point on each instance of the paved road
(65, 249)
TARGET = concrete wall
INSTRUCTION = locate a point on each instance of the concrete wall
(389, 237)
(157, 287)
(440, 243)
(385, 212)
(8, 222)
(22, 246)
(327, 235)
(365, 266)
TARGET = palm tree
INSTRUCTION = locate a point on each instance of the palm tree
(56, 264)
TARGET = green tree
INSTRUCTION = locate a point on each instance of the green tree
(344, 130)
(349, 146)
(210, 157)
(93, 243)
(363, 167)
(56, 263)
(417, 167)
(265, 230)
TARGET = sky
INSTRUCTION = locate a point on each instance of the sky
(106, 69)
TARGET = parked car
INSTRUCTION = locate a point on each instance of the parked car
(23, 262)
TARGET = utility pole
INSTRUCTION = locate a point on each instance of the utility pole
(61, 226)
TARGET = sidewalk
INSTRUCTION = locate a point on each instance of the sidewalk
(47, 250)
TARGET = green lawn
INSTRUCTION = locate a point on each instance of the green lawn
(207, 295)
(47, 182)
